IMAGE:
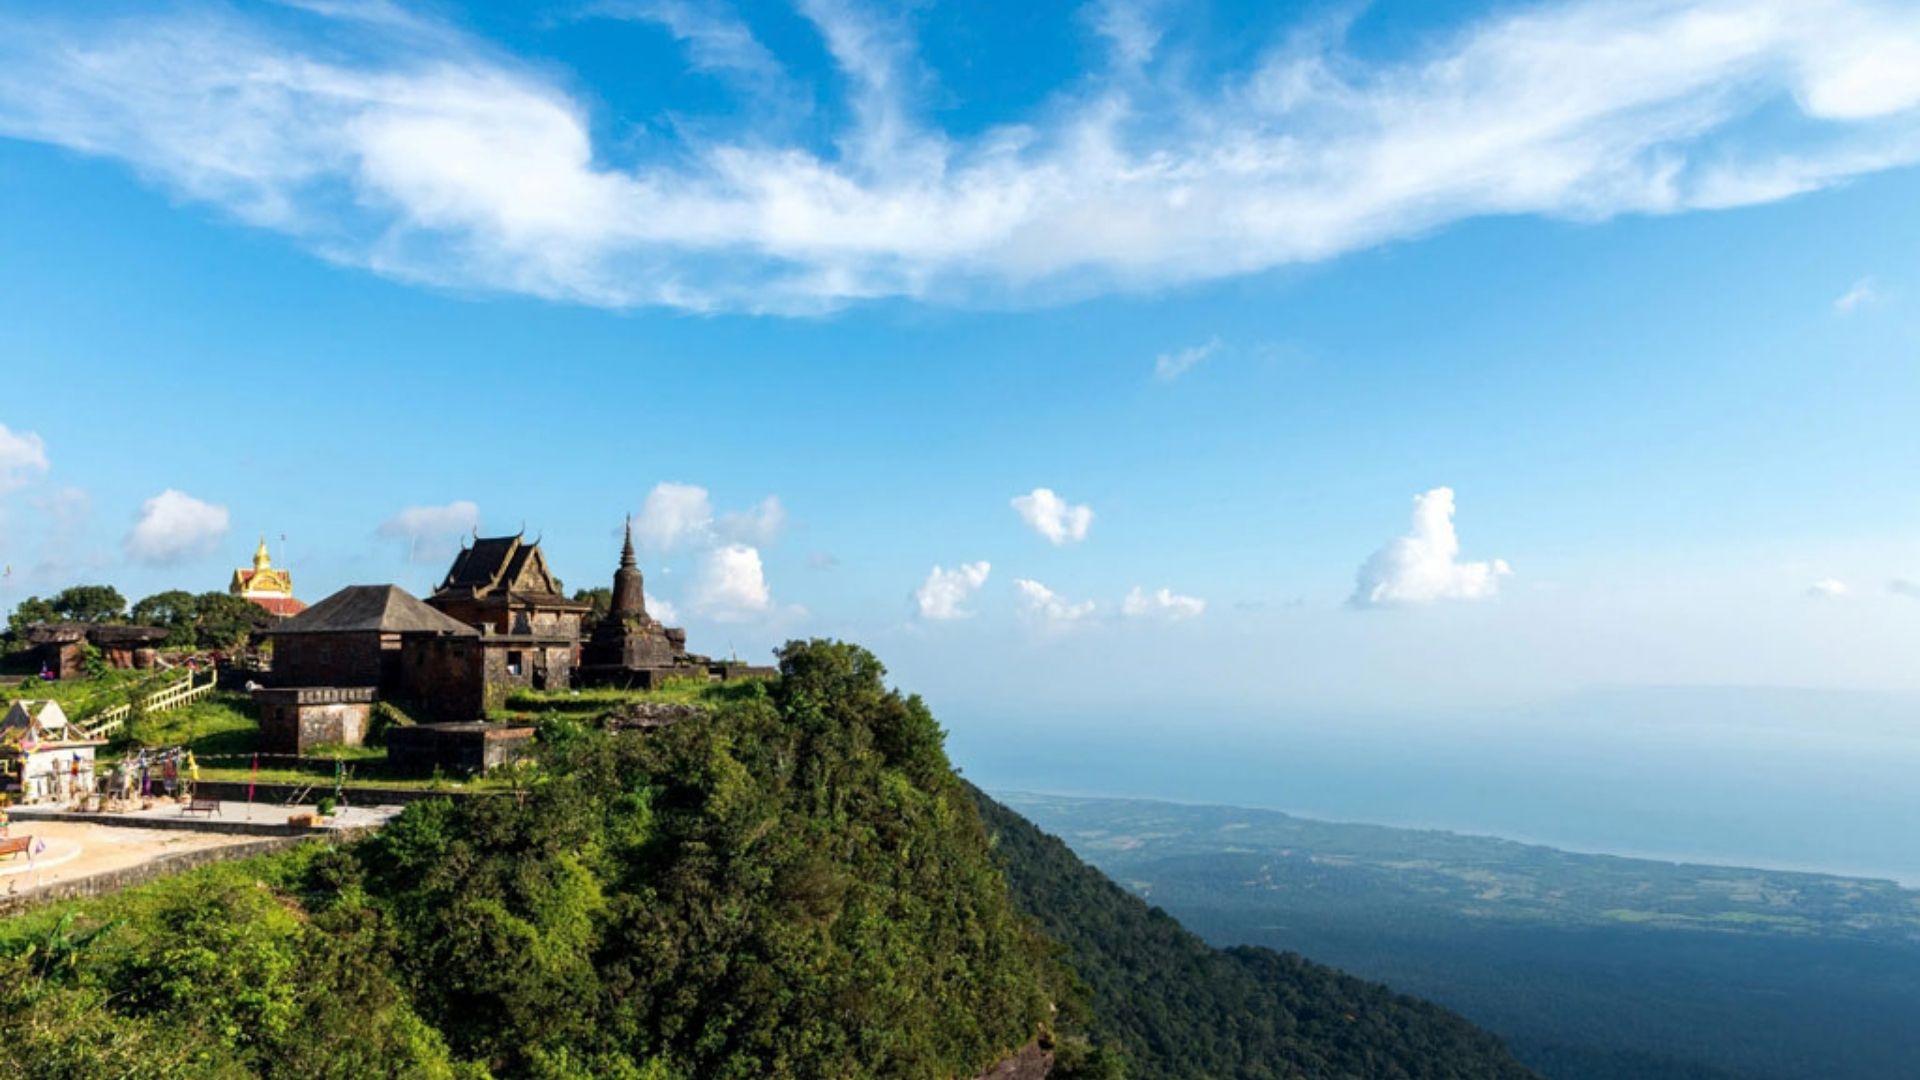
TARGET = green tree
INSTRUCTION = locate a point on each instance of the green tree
(91, 603)
(224, 621)
(174, 609)
(32, 610)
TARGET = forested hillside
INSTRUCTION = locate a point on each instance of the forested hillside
(1177, 1007)
(795, 884)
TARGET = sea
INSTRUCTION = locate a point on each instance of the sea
(1781, 778)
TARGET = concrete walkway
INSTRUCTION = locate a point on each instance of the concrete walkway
(233, 818)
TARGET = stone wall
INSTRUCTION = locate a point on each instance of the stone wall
(293, 721)
(467, 749)
(343, 659)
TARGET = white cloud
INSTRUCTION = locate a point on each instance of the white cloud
(1424, 565)
(1862, 294)
(1828, 588)
(432, 533)
(1161, 603)
(662, 609)
(673, 516)
(1049, 607)
(1904, 587)
(731, 584)
(759, 526)
(23, 455)
(940, 596)
(385, 140)
(1169, 366)
(174, 526)
(1052, 517)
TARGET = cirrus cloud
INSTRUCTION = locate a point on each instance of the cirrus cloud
(384, 139)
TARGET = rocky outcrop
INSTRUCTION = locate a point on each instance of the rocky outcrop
(1033, 1062)
(647, 715)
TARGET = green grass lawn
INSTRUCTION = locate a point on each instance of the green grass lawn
(531, 704)
(81, 698)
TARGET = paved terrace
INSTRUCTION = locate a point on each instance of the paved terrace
(75, 853)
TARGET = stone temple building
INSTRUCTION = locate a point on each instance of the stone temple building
(266, 585)
(631, 648)
(529, 630)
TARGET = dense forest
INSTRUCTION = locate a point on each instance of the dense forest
(1176, 1007)
(795, 885)
(1592, 967)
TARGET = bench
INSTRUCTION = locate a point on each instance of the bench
(16, 845)
(202, 806)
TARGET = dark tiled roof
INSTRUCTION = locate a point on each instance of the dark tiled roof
(388, 609)
(98, 633)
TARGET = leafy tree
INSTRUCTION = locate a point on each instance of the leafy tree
(601, 601)
(225, 621)
(32, 610)
(174, 609)
(91, 603)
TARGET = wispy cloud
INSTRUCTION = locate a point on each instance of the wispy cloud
(23, 456)
(1862, 294)
(1828, 589)
(1169, 366)
(432, 533)
(1161, 603)
(405, 146)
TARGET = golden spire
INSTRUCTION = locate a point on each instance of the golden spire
(261, 560)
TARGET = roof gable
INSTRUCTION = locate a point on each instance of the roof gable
(386, 609)
(497, 565)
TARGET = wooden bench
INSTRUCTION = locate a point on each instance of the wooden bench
(202, 806)
(16, 845)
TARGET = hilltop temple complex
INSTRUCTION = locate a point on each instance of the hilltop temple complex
(498, 623)
(266, 585)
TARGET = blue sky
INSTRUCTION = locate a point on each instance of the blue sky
(1635, 283)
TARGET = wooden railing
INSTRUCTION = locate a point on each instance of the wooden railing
(185, 692)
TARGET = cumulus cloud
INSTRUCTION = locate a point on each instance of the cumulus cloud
(380, 138)
(174, 526)
(759, 526)
(1828, 588)
(1424, 565)
(1862, 294)
(1053, 517)
(681, 516)
(674, 516)
(940, 596)
(1162, 603)
(432, 533)
(1169, 366)
(1050, 608)
(23, 456)
(731, 584)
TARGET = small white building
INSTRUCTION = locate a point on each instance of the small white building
(43, 756)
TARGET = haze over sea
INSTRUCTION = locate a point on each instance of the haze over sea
(1792, 779)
